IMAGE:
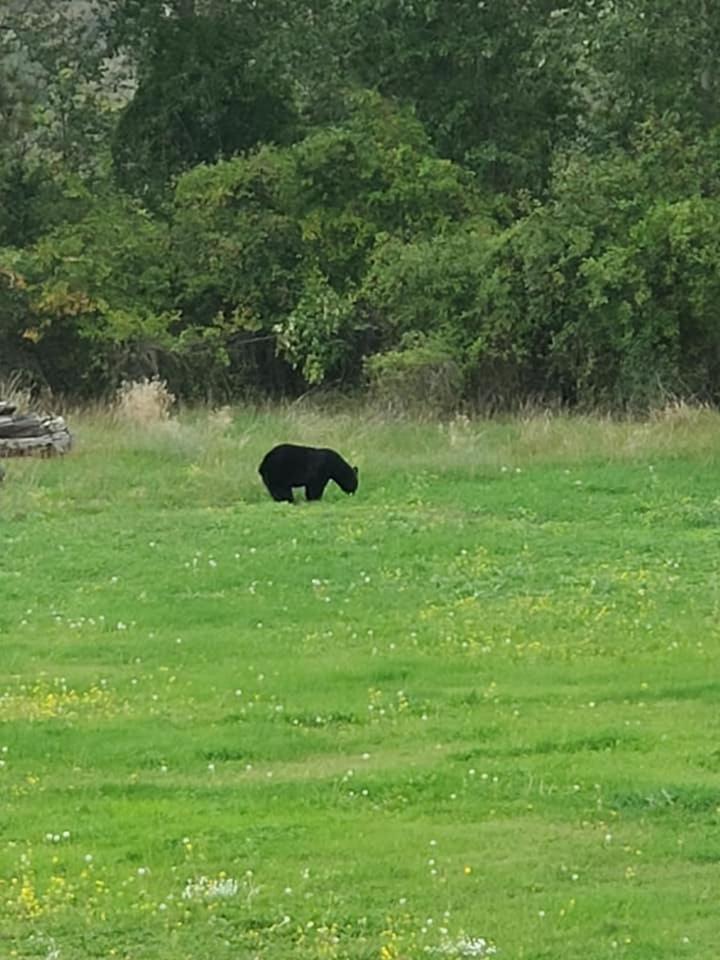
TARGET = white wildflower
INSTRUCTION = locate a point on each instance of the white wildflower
(207, 888)
(466, 947)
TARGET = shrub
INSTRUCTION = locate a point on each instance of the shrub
(277, 244)
(606, 295)
(99, 297)
(421, 375)
(204, 94)
(143, 402)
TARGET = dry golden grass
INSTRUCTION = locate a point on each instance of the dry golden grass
(15, 389)
(367, 435)
(142, 402)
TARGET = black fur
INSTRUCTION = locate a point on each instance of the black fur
(290, 465)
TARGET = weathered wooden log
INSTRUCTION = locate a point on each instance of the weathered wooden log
(21, 426)
(32, 434)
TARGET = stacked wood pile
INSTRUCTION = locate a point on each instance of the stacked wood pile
(24, 434)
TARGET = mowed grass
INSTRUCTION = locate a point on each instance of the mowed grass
(472, 708)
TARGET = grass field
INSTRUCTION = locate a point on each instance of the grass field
(472, 710)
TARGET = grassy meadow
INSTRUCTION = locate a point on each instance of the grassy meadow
(471, 711)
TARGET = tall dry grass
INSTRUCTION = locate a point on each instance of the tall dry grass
(163, 456)
(15, 388)
(367, 434)
(143, 402)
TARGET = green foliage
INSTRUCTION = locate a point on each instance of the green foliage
(642, 58)
(21, 221)
(279, 241)
(317, 335)
(59, 91)
(598, 296)
(36, 198)
(373, 175)
(529, 190)
(99, 294)
(201, 97)
(658, 296)
(236, 252)
(16, 325)
(603, 296)
(428, 285)
(235, 243)
(421, 298)
(423, 375)
(476, 78)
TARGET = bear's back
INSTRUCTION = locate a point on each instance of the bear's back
(292, 463)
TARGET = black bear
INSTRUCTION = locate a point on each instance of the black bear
(290, 465)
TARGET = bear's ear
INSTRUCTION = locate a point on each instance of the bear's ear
(355, 471)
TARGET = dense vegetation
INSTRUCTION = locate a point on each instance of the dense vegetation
(486, 202)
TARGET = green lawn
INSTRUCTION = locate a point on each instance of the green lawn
(480, 699)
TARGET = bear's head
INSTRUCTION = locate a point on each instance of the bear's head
(347, 478)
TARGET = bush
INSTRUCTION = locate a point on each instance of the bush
(605, 296)
(203, 95)
(277, 244)
(422, 375)
(99, 297)
(143, 402)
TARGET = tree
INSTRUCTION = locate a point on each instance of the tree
(633, 60)
(58, 88)
(97, 297)
(472, 72)
(204, 93)
(278, 242)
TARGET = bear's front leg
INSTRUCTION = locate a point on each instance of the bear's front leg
(282, 494)
(315, 489)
